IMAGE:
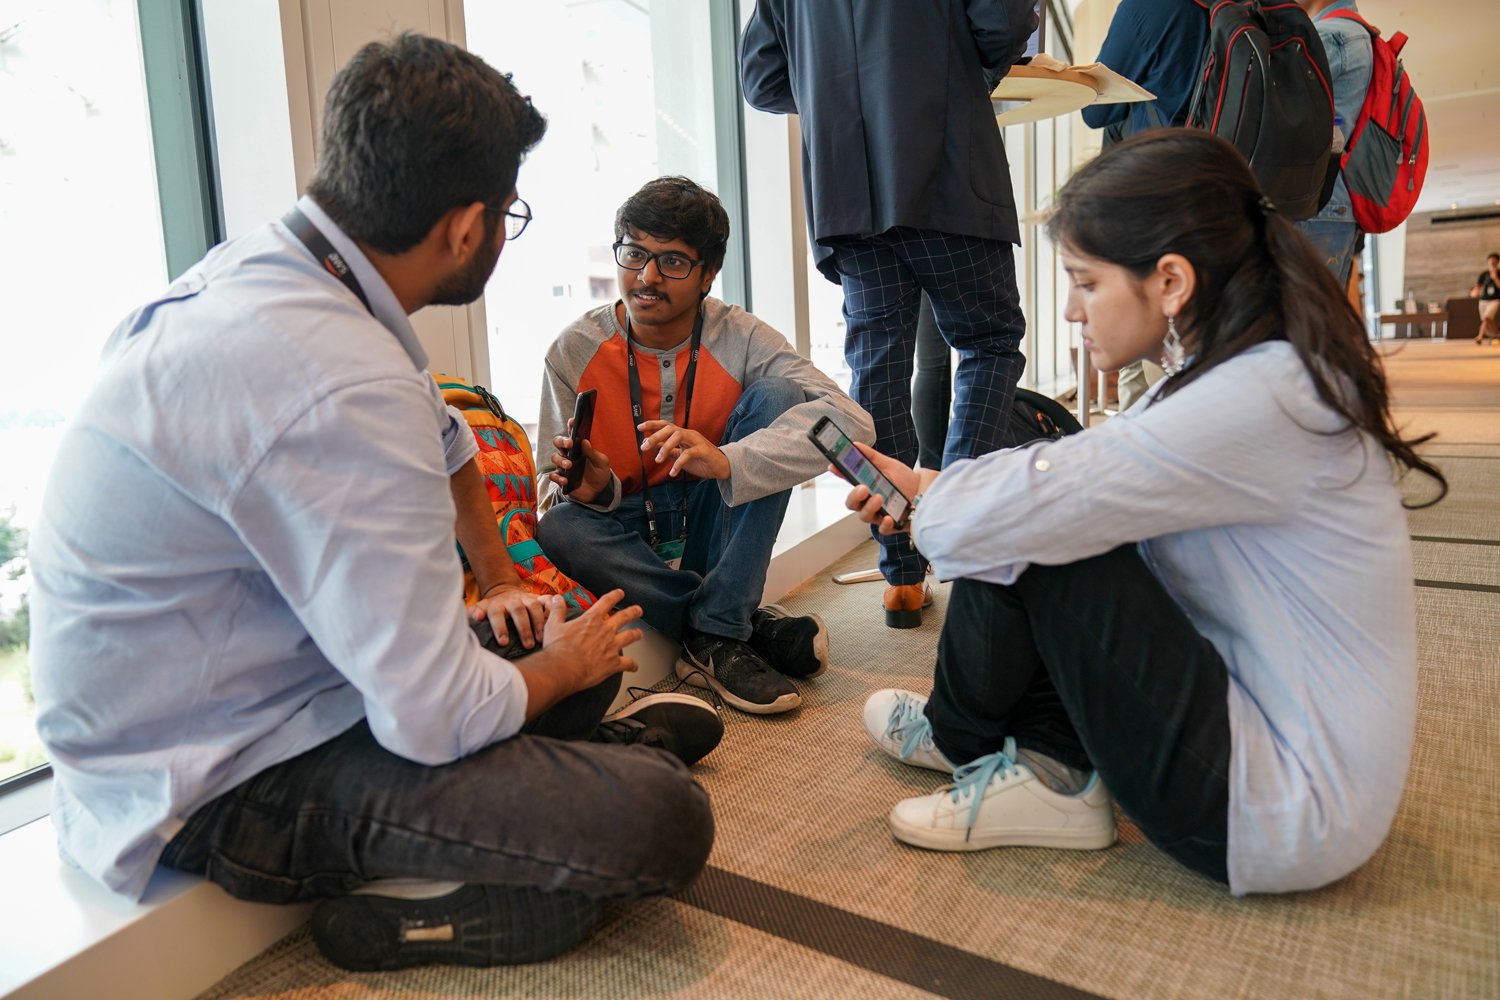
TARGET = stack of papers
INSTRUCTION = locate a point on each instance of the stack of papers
(1046, 88)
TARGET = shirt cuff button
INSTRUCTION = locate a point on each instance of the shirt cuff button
(1042, 465)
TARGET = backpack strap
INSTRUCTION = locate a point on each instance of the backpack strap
(1350, 15)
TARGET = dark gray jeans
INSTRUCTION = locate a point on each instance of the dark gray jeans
(544, 809)
(1095, 665)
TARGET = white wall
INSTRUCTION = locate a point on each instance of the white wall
(318, 37)
(252, 123)
(1390, 256)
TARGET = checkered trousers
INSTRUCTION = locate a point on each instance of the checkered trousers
(972, 285)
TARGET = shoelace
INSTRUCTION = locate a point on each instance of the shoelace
(705, 691)
(974, 777)
(753, 663)
(910, 726)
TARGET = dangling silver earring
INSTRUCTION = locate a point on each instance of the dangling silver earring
(1173, 357)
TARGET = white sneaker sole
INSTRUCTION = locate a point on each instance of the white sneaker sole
(658, 698)
(1080, 839)
(695, 674)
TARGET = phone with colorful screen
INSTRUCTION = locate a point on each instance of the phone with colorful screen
(855, 467)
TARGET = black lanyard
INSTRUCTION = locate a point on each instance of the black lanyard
(638, 412)
(333, 262)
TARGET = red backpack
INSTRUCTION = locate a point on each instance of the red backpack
(1385, 160)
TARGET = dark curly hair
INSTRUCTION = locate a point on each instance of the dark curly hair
(412, 128)
(677, 208)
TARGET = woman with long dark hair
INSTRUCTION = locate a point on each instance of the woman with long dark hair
(1203, 609)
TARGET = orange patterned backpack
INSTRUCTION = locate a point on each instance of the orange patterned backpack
(509, 471)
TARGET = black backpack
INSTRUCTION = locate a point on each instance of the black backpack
(1264, 85)
(1034, 416)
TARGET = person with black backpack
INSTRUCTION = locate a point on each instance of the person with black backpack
(1157, 44)
(1201, 610)
(1350, 59)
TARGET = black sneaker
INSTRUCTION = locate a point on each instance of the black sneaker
(736, 672)
(403, 923)
(796, 646)
(681, 724)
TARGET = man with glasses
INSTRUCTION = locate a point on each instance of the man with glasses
(699, 434)
(250, 655)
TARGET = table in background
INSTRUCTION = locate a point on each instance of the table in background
(1433, 324)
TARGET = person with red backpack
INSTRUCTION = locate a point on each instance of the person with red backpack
(1334, 231)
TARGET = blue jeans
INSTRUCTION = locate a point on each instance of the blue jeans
(1334, 240)
(972, 285)
(1094, 664)
(544, 809)
(727, 552)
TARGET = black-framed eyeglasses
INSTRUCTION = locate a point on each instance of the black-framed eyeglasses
(671, 264)
(517, 217)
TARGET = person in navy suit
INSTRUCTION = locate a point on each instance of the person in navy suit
(908, 190)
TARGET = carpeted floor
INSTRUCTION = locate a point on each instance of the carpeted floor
(807, 894)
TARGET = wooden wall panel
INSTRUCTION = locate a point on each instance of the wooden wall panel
(1442, 258)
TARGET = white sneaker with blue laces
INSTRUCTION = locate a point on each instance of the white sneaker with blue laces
(995, 802)
(895, 722)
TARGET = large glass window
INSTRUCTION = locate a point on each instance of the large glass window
(627, 88)
(83, 244)
(102, 117)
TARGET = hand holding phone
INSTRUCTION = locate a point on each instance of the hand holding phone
(857, 469)
(583, 426)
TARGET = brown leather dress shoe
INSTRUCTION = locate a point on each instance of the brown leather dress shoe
(904, 604)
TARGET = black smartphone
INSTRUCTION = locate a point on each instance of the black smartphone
(853, 466)
(583, 426)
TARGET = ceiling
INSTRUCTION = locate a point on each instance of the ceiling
(1453, 58)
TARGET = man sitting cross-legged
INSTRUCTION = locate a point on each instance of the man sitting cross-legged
(250, 655)
(699, 434)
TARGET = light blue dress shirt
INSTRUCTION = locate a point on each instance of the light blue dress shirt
(1285, 542)
(245, 547)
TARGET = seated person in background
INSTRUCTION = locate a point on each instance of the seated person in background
(1205, 605)
(250, 655)
(1487, 290)
(699, 435)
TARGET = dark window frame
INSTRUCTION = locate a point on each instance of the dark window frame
(182, 131)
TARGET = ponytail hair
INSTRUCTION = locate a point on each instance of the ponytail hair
(1185, 191)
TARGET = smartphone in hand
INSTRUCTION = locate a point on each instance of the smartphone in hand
(855, 467)
(583, 426)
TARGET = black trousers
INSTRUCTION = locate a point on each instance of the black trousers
(1095, 665)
